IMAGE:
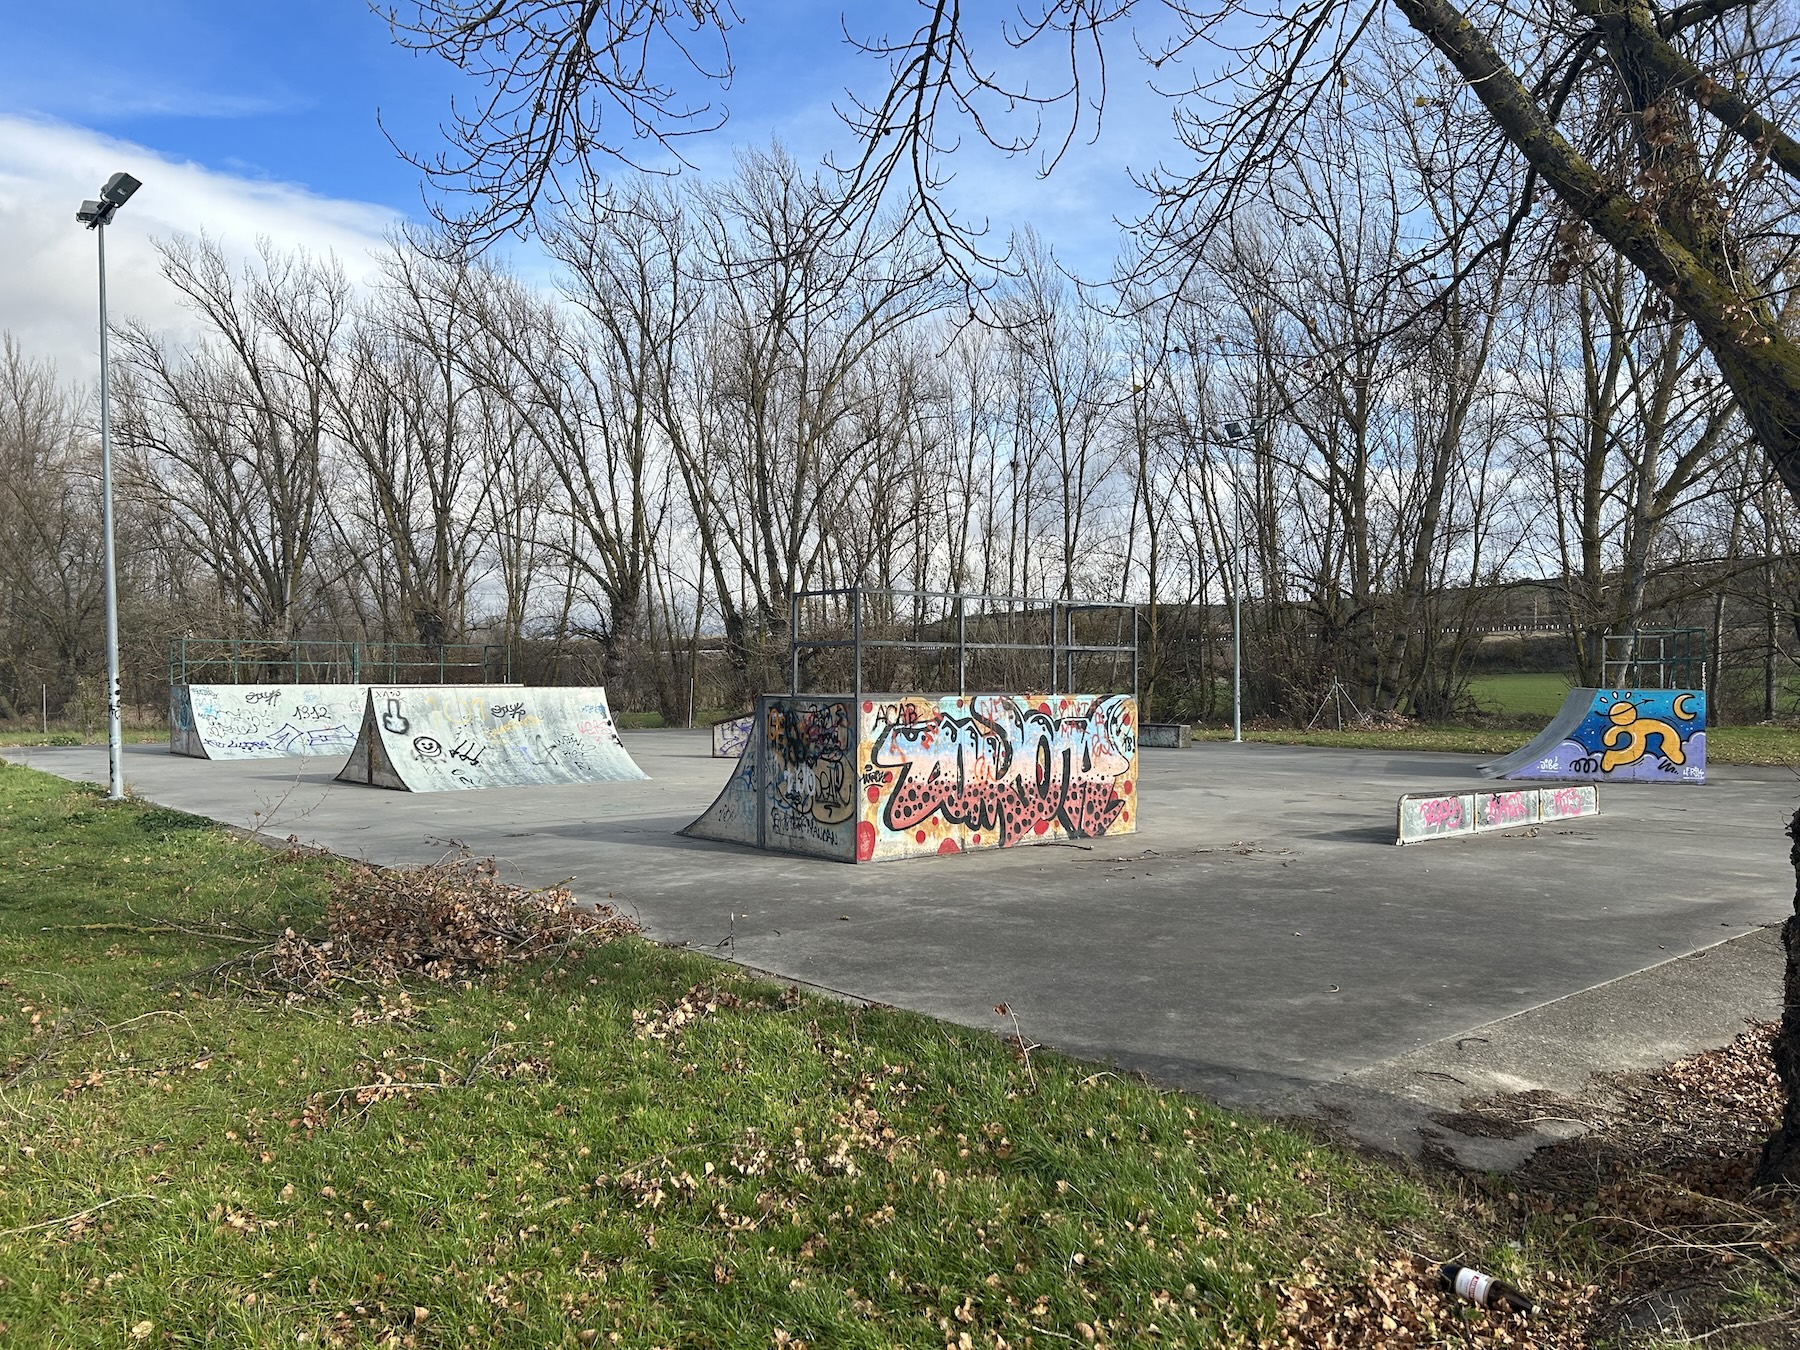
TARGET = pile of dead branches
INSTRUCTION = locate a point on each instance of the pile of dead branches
(451, 919)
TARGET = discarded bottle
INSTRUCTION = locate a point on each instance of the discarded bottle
(1483, 1290)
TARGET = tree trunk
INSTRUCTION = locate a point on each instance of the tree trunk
(1781, 1153)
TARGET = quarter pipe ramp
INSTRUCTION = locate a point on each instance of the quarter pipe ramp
(903, 775)
(263, 721)
(1616, 736)
(442, 738)
(730, 736)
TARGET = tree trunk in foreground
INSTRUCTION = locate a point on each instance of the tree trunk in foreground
(1781, 1154)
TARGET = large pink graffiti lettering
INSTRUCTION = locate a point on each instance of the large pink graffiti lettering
(1442, 812)
(1508, 806)
(1010, 768)
(1566, 802)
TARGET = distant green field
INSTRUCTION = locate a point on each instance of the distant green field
(1724, 745)
(1538, 694)
(14, 734)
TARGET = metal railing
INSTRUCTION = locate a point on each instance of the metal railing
(328, 661)
(1655, 658)
(959, 611)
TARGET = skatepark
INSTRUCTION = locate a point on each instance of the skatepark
(1258, 938)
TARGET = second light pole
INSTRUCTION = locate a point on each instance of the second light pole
(97, 215)
(1235, 432)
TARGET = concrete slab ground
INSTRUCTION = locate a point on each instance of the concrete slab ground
(1260, 939)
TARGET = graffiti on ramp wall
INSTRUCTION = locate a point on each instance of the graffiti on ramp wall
(422, 738)
(811, 801)
(941, 775)
(731, 736)
(904, 775)
(243, 721)
(1643, 735)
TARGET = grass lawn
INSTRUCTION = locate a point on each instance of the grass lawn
(24, 735)
(1724, 745)
(1516, 695)
(630, 1146)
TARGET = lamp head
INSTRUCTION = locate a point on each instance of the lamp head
(115, 194)
(119, 188)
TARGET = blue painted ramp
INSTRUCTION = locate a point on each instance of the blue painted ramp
(1616, 736)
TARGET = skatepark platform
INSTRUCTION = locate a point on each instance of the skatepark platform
(888, 776)
(1443, 815)
(1260, 939)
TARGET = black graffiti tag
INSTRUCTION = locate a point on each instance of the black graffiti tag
(467, 753)
(427, 747)
(393, 723)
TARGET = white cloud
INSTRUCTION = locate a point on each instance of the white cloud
(47, 269)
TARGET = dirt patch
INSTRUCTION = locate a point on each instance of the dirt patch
(1659, 1185)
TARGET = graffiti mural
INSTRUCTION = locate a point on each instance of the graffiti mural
(1635, 735)
(239, 721)
(941, 775)
(810, 749)
(419, 738)
(904, 775)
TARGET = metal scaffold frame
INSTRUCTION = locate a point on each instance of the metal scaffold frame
(962, 608)
(1655, 658)
(194, 660)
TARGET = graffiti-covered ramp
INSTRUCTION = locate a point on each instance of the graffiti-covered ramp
(1616, 736)
(439, 739)
(888, 776)
(263, 721)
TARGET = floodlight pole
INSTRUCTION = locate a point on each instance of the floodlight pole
(1233, 435)
(115, 757)
(95, 215)
(1237, 608)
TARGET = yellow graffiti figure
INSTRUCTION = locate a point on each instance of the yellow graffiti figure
(1627, 740)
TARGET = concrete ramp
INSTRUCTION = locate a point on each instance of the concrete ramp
(442, 738)
(263, 721)
(907, 775)
(1616, 736)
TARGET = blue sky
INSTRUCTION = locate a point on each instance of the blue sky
(244, 88)
(260, 119)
